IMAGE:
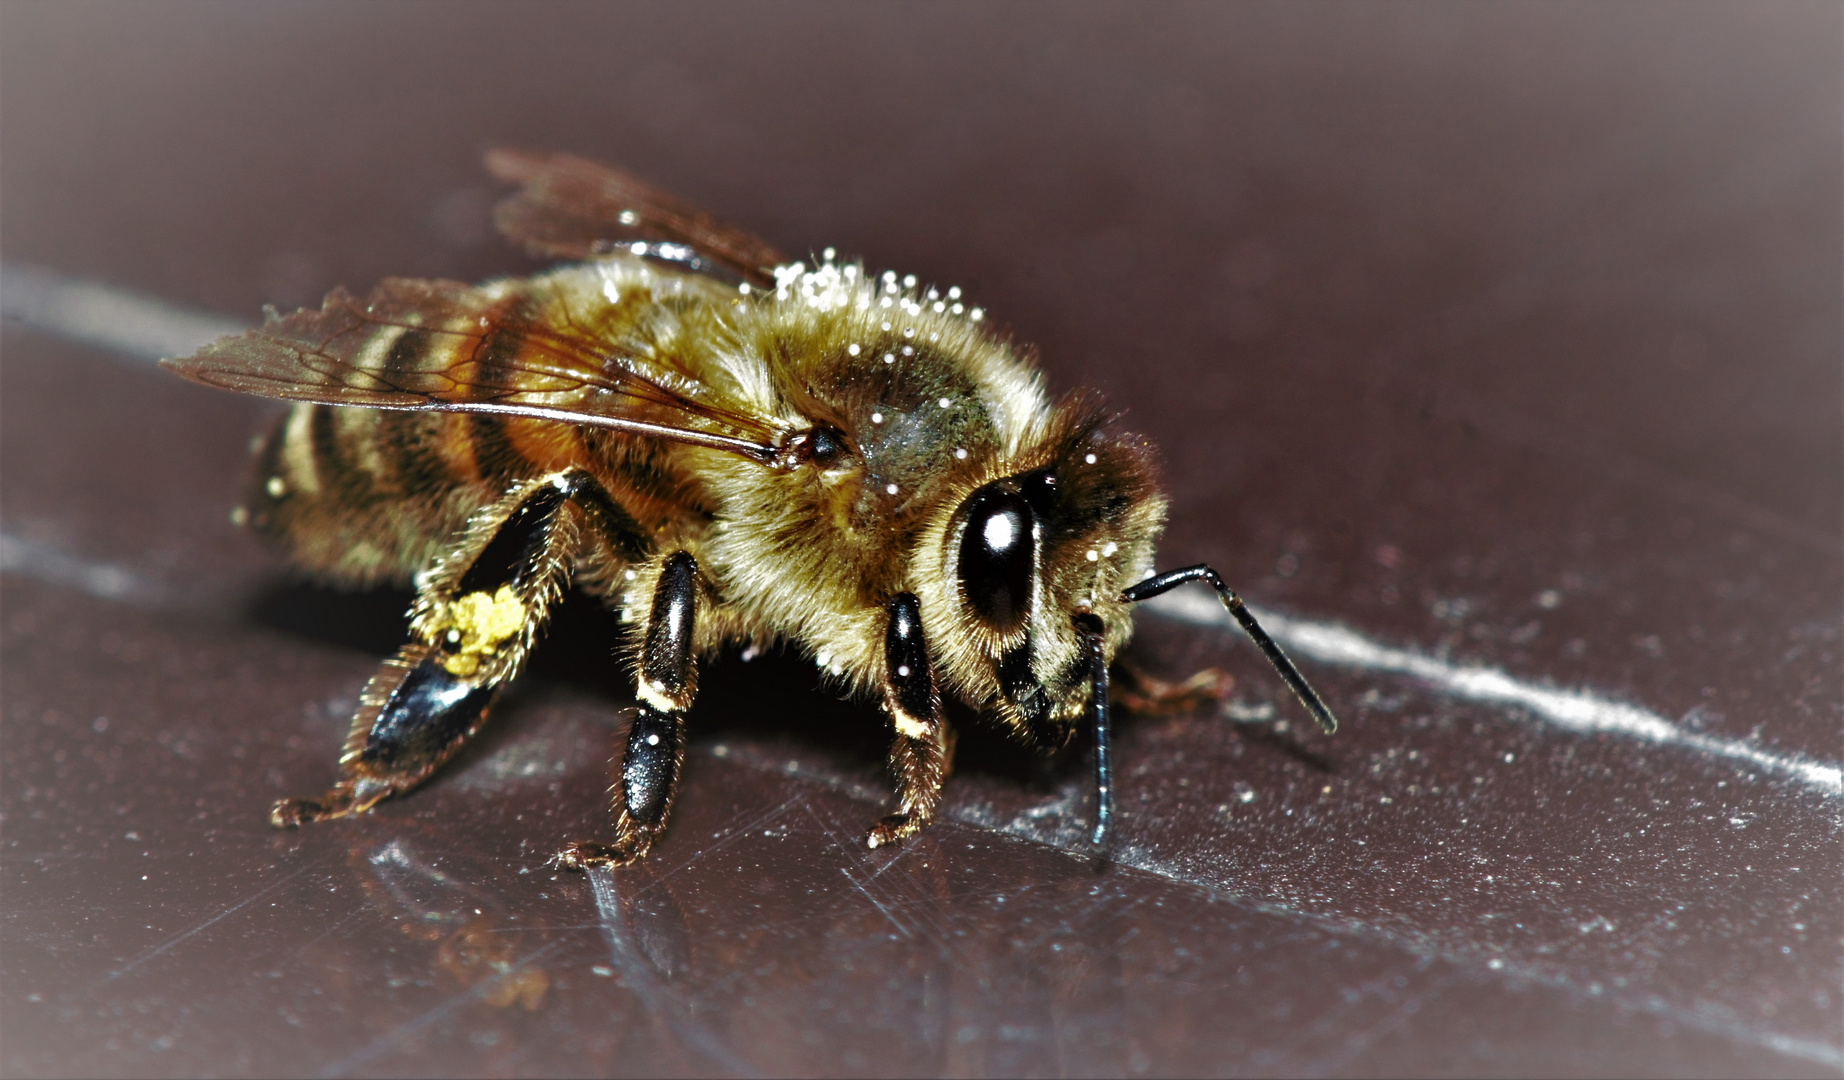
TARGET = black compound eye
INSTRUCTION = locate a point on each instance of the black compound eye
(1039, 489)
(997, 558)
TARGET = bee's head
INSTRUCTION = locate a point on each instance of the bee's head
(1031, 559)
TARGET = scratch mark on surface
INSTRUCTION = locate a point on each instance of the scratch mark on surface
(913, 899)
(170, 943)
(847, 850)
(730, 835)
(116, 319)
(105, 581)
(359, 909)
(878, 904)
(1571, 710)
(880, 871)
(640, 978)
(1418, 944)
(1333, 1029)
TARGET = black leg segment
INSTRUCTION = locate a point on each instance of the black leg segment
(666, 666)
(424, 714)
(516, 552)
(650, 768)
(912, 684)
(919, 755)
(655, 750)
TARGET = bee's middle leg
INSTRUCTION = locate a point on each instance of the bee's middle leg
(666, 685)
(477, 613)
(920, 755)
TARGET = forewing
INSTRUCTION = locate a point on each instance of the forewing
(570, 208)
(441, 345)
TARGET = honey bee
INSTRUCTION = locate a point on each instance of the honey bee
(730, 448)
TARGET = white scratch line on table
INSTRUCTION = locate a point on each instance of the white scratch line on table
(1823, 1053)
(846, 848)
(876, 903)
(117, 319)
(1419, 944)
(726, 837)
(910, 897)
(42, 562)
(1573, 710)
(173, 941)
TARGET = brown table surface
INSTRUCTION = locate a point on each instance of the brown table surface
(1495, 347)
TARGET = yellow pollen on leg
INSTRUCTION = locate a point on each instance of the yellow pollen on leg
(483, 623)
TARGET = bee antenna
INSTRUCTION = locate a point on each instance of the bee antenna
(1091, 629)
(1160, 583)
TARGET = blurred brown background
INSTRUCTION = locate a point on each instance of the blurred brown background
(1503, 336)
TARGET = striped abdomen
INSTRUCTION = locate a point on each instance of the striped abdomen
(369, 495)
(402, 429)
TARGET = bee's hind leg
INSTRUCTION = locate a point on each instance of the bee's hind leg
(921, 753)
(412, 716)
(656, 740)
(477, 613)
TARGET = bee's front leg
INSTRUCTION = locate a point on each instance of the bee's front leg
(920, 755)
(656, 741)
(477, 613)
(1141, 692)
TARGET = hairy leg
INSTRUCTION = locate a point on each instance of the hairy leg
(921, 754)
(666, 686)
(477, 613)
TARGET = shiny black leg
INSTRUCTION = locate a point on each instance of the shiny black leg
(920, 754)
(656, 740)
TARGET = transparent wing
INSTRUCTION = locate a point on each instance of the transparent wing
(570, 208)
(442, 345)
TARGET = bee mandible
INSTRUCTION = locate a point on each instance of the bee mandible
(731, 449)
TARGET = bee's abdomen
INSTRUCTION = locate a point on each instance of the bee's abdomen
(366, 495)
